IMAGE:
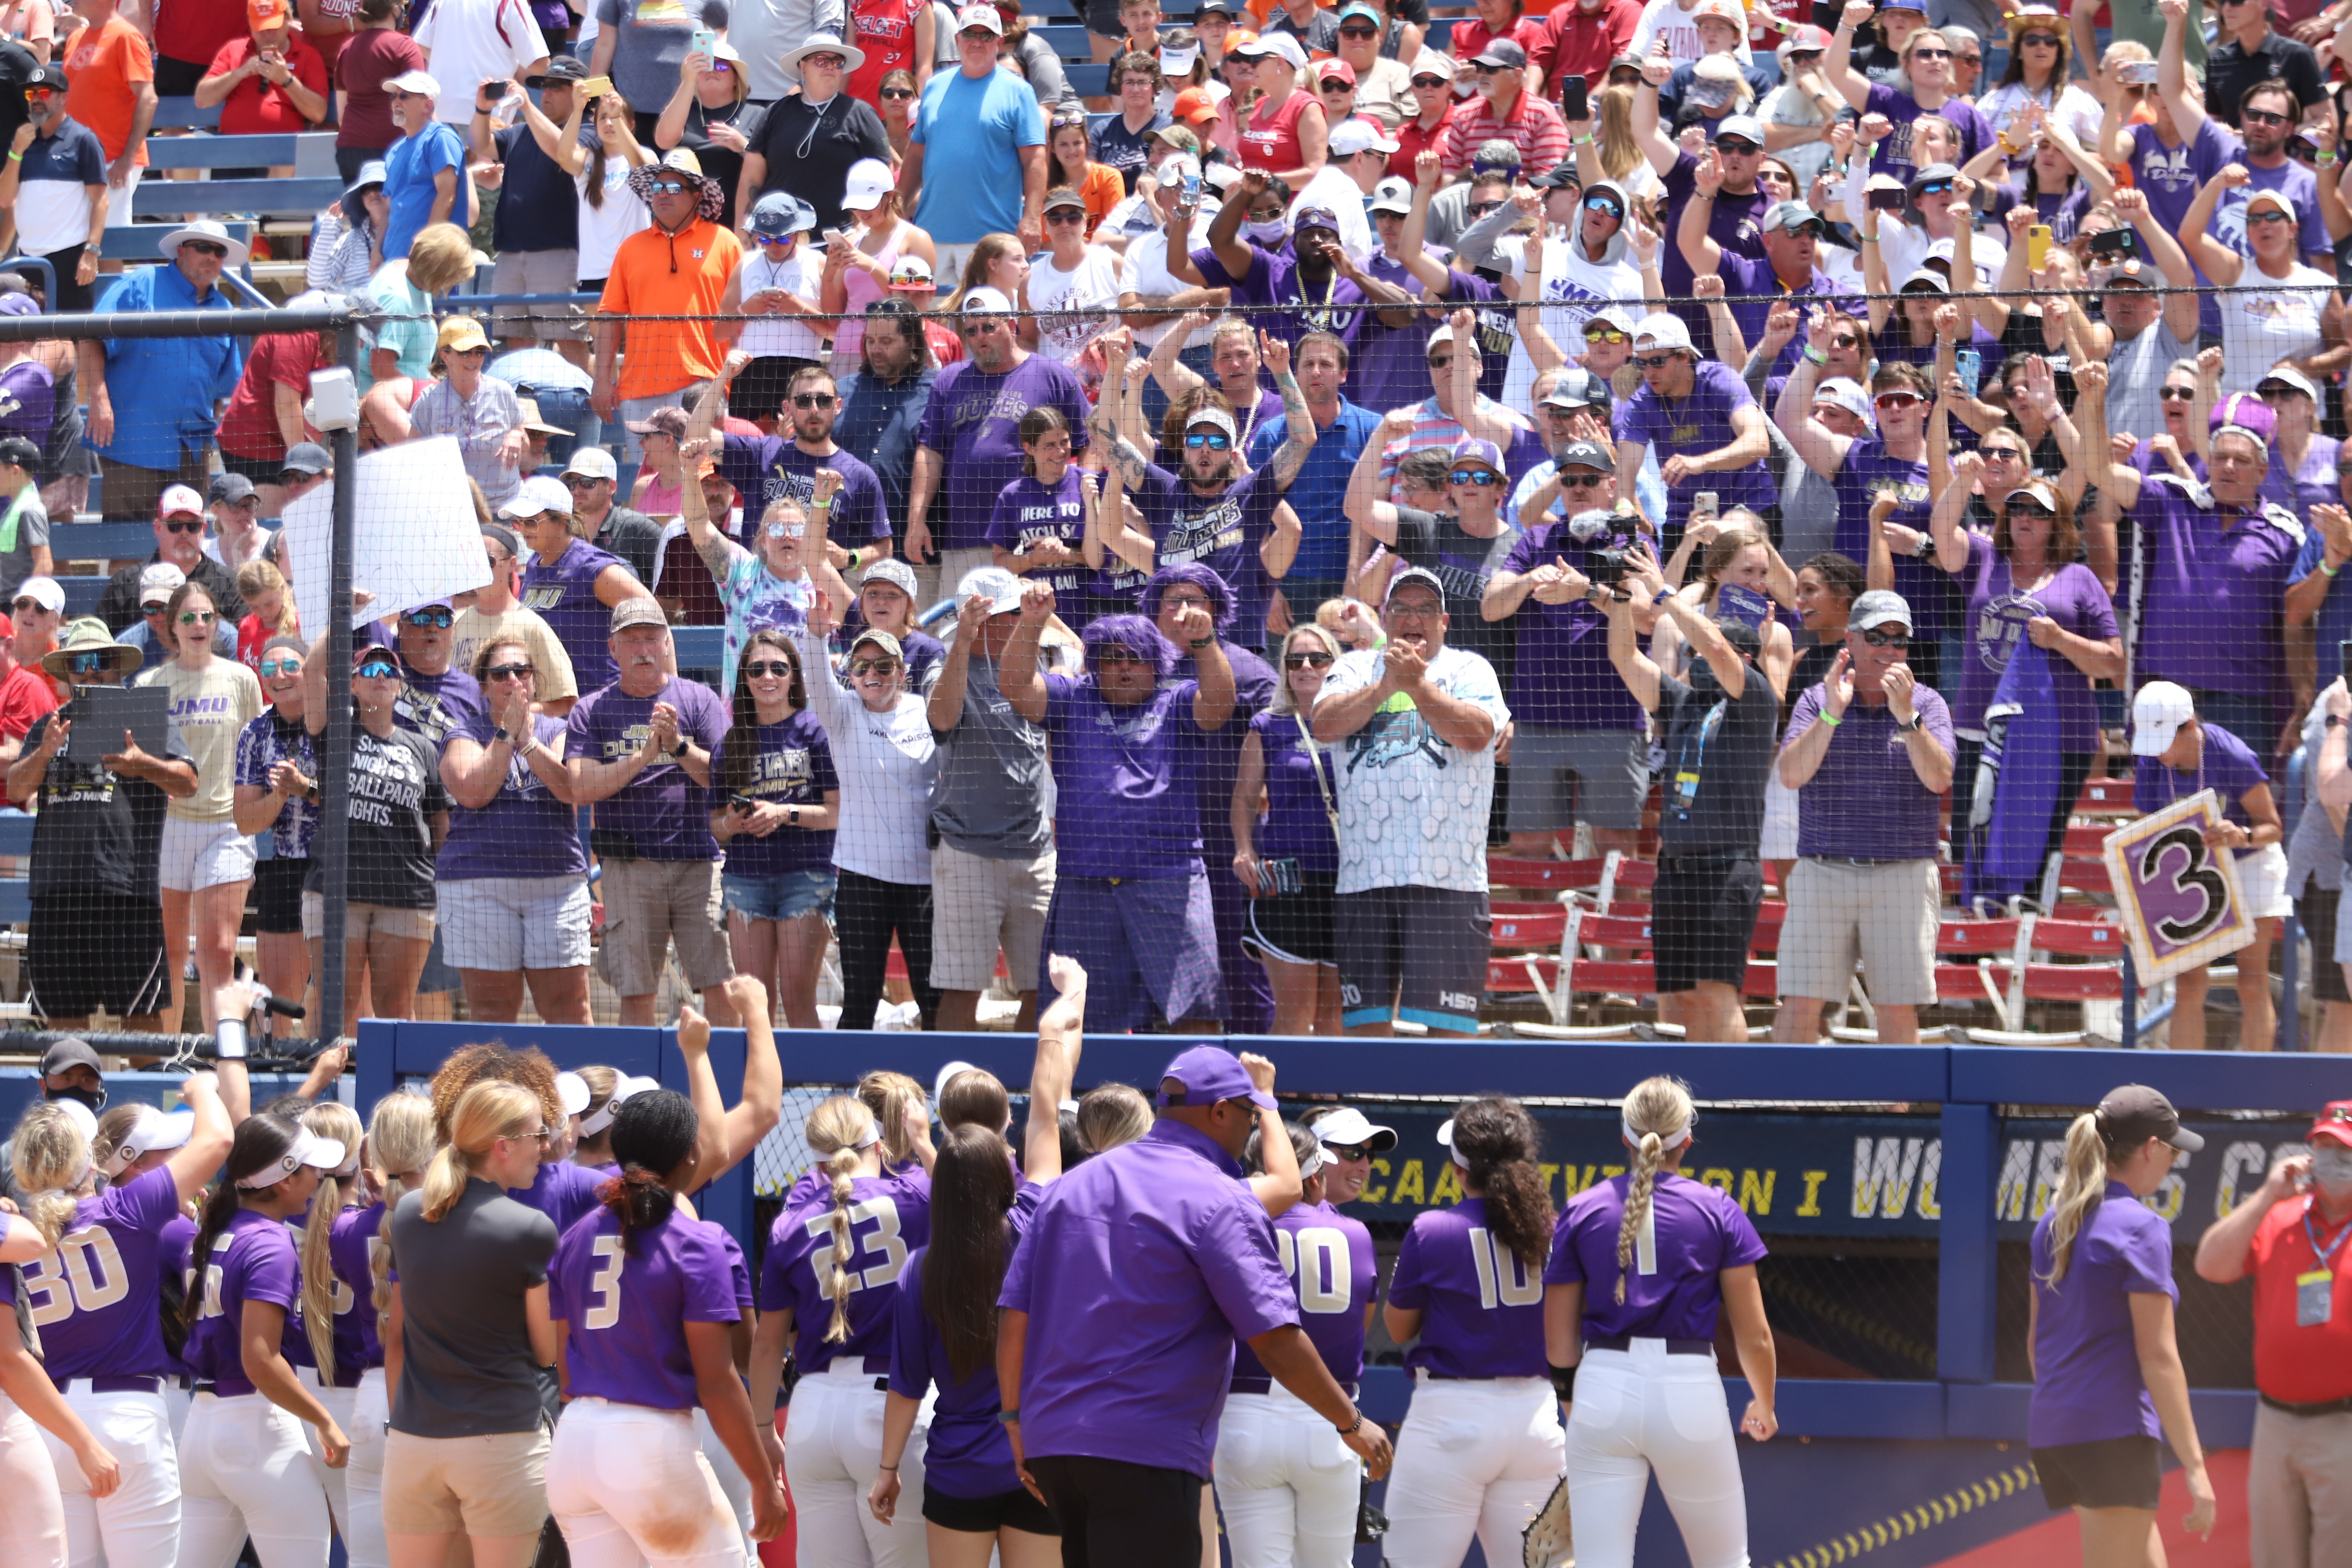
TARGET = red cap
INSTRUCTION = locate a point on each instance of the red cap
(2335, 1122)
(1806, 37)
(1326, 69)
(1193, 105)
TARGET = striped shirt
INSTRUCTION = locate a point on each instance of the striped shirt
(1535, 127)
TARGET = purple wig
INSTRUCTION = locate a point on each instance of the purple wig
(1134, 633)
(1205, 578)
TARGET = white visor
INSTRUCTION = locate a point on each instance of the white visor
(1445, 1136)
(154, 1131)
(572, 1091)
(1680, 1136)
(600, 1117)
(309, 1149)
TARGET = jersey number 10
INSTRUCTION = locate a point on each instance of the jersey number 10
(1503, 1278)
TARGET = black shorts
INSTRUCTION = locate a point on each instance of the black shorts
(2114, 1472)
(760, 392)
(178, 79)
(72, 294)
(1294, 928)
(87, 950)
(1015, 1510)
(278, 895)
(2315, 911)
(1138, 1516)
(260, 471)
(1702, 916)
(1425, 947)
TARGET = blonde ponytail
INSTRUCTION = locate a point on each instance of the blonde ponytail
(841, 1129)
(2080, 1190)
(50, 1156)
(328, 1119)
(890, 1096)
(485, 1113)
(399, 1144)
(1658, 1109)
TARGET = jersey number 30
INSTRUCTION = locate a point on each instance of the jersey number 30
(82, 1275)
(1318, 1264)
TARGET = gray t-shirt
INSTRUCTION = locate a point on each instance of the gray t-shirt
(2136, 370)
(467, 1369)
(2315, 855)
(993, 795)
(646, 54)
(31, 528)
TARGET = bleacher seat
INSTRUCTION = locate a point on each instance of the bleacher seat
(15, 892)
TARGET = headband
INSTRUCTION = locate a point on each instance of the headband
(1680, 1136)
(870, 1137)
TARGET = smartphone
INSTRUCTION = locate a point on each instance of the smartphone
(2343, 660)
(2138, 73)
(1703, 507)
(702, 41)
(1970, 364)
(830, 236)
(596, 86)
(743, 802)
(1889, 199)
(1574, 102)
(2114, 243)
(2037, 247)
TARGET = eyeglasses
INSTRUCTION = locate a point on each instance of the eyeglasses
(1582, 481)
(1484, 479)
(431, 616)
(198, 618)
(1887, 639)
(1932, 188)
(1652, 362)
(1061, 216)
(1215, 440)
(86, 663)
(1419, 610)
(2264, 117)
(1306, 660)
(897, 94)
(1924, 54)
(2176, 394)
(184, 525)
(509, 671)
(881, 665)
(766, 668)
(2050, 41)
(1117, 656)
(275, 666)
(379, 671)
(205, 247)
(1199, 601)
(815, 399)
(1894, 399)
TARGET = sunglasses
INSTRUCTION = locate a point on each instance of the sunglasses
(377, 671)
(1603, 204)
(1117, 656)
(2049, 40)
(835, 61)
(1431, 81)
(1441, 361)
(184, 525)
(1652, 362)
(815, 399)
(1480, 209)
(1215, 440)
(2264, 117)
(1932, 188)
(1894, 399)
(667, 188)
(198, 618)
(897, 94)
(429, 617)
(1885, 639)
(2269, 214)
(1063, 216)
(86, 663)
(275, 667)
(1603, 336)
(1733, 147)
(1582, 481)
(765, 667)
(509, 671)
(26, 606)
(1306, 660)
(579, 482)
(1333, 84)
(2002, 454)
(2270, 389)
(2032, 509)
(881, 665)
(2176, 394)
(205, 247)
(466, 354)
(1359, 32)
(1931, 54)
(1484, 478)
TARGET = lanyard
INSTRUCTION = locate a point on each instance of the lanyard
(2322, 1253)
(1323, 784)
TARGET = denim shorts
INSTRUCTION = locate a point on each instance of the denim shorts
(779, 897)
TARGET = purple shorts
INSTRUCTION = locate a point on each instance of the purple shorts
(1148, 945)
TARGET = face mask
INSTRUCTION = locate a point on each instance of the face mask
(93, 1097)
(2332, 1169)
(1272, 231)
(1585, 526)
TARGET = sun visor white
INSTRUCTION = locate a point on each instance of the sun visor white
(153, 1132)
(1348, 1128)
(1314, 1161)
(80, 1115)
(1446, 1137)
(309, 1149)
(939, 1084)
(1679, 1137)
(598, 1119)
(573, 1093)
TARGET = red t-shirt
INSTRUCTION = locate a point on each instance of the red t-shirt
(24, 696)
(1577, 43)
(1411, 141)
(248, 428)
(257, 106)
(2300, 1365)
(371, 57)
(196, 30)
(885, 29)
(1270, 141)
(1470, 36)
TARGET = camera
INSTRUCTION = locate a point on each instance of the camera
(1605, 568)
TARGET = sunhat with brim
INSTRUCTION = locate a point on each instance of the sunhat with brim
(679, 161)
(204, 228)
(309, 1149)
(369, 177)
(824, 44)
(89, 634)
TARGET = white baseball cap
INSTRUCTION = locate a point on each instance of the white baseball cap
(535, 495)
(1357, 134)
(1001, 588)
(43, 592)
(2157, 713)
(1662, 330)
(980, 16)
(416, 82)
(1349, 1128)
(159, 582)
(1393, 195)
(867, 181)
(308, 1148)
(984, 299)
(592, 462)
(180, 499)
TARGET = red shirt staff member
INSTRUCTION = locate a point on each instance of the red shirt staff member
(2290, 1237)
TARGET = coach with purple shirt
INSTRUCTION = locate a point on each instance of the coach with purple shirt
(1868, 752)
(1141, 1269)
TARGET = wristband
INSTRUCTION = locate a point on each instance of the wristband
(228, 1040)
(855, 557)
(1816, 356)
(1008, 1417)
(1832, 720)
(2323, 159)
(1563, 1383)
(1351, 1429)
(14, 156)
(2327, 570)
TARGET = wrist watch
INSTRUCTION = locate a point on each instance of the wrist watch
(1919, 722)
(792, 815)
(679, 749)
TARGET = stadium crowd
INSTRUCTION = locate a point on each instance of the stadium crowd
(1193, 536)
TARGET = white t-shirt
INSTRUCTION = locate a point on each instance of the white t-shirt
(789, 336)
(2265, 320)
(2076, 109)
(1093, 282)
(474, 41)
(1412, 809)
(1681, 33)
(1571, 288)
(1144, 271)
(602, 230)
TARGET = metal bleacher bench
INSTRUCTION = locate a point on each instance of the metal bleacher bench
(15, 892)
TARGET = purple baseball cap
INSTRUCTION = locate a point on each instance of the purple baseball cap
(1209, 1074)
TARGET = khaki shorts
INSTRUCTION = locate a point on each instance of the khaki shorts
(979, 905)
(361, 920)
(1885, 914)
(648, 904)
(489, 1486)
(538, 273)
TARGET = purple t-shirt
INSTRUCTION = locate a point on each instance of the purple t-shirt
(1893, 155)
(28, 406)
(1334, 1270)
(2228, 767)
(793, 766)
(1869, 467)
(1334, 305)
(1128, 780)
(662, 808)
(2085, 1358)
(351, 1250)
(1028, 513)
(1998, 612)
(1297, 824)
(94, 1295)
(1223, 532)
(769, 468)
(1696, 423)
(889, 1217)
(1865, 800)
(1561, 677)
(254, 1260)
(972, 420)
(1141, 1269)
(969, 1455)
(1390, 364)
(1752, 287)
(1733, 223)
(2212, 591)
(525, 831)
(1674, 1290)
(561, 1191)
(565, 597)
(1482, 1304)
(439, 706)
(627, 1307)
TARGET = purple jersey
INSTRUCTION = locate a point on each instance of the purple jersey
(1224, 532)
(1693, 1234)
(2085, 1357)
(254, 1260)
(627, 1339)
(1482, 1304)
(970, 1455)
(2210, 587)
(439, 706)
(561, 1191)
(525, 831)
(1696, 423)
(93, 1297)
(1272, 278)
(1029, 512)
(564, 596)
(972, 421)
(889, 1217)
(1330, 1259)
(769, 469)
(172, 1245)
(739, 1271)
(352, 1248)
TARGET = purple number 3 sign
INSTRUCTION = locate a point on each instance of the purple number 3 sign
(2178, 898)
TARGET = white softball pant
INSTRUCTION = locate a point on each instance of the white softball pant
(733, 1484)
(245, 1470)
(1640, 1410)
(334, 1483)
(1477, 1456)
(32, 1520)
(1287, 1483)
(141, 1521)
(363, 1477)
(833, 1451)
(628, 1485)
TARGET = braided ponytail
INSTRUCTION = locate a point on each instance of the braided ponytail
(1658, 1109)
(841, 1129)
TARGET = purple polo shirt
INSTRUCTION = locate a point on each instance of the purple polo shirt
(971, 421)
(255, 1259)
(2228, 767)
(2212, 592)
(1865, 801)
(1561, 677)
(561, 1191)
(1698, 1232)
(1332, 306)
(1481, 1307)
(1128, 780)
(95, 1294)
(565, 597)
(351, 1251)
(662, 808)
(1753, 288)
(888, 1215)
(628, 1307)
(1696, 423)
(1330, 1262)
(1141, 1269)
(970, 1455)
(526, 830)
(2085, 1360)
(1998, 612)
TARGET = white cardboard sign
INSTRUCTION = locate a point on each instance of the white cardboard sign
(414, 535)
